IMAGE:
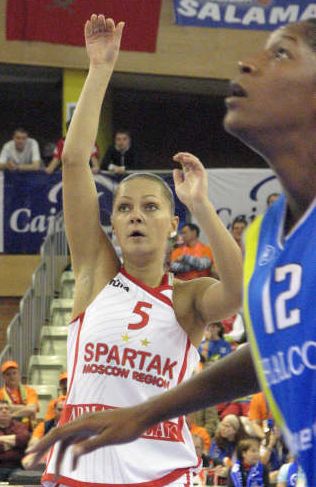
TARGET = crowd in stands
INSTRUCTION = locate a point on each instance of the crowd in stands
(19, 426)
(22, 153)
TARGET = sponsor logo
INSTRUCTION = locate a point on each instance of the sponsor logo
(118, 283)
(267, 255)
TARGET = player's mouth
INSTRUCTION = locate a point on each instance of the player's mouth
(136, 234)
(235, 93)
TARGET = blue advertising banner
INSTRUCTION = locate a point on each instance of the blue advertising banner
(242, 14)
(29, 203)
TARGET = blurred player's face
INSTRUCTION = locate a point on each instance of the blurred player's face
(252, 455)
(142, 218)
(12, 377)
(122, 141)
(20, 139)
(275, 90)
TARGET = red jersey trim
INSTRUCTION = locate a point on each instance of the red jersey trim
(154, 291)
(167, 479)
(185, 361)
(78, 317)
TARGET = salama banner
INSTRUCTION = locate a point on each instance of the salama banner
(62, 21)
(242, 14)
(29, 202)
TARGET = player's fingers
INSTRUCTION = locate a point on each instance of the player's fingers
(178, 176)
(101, 23)
(110, 25)
(88, 28)
(87, 446)
(94, 23)
(119, 29)
(61, 453)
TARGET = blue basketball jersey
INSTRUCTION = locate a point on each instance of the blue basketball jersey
(279, 302)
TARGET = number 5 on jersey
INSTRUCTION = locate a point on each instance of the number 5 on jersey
(138, 310)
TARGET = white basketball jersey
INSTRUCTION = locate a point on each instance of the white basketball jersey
(126, 348)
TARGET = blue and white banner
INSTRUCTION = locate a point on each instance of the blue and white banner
(242, 14)
(29, 203)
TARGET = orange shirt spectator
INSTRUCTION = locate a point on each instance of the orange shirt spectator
(258, 409)
(202, 433)
(193, 259)
(50, 412)
(23, 400)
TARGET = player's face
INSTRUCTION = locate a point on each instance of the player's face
(142, 218)
(275, 90)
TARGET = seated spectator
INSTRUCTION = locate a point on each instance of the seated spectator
(13, 441)
(199, 431)
(223, 448)
(273, 450)
(215, 347)
(120, 156)
(291, 475)
(208, 418)
(248, 471)
(42, 429)
(21, 153)
(50, 413)
(56, 160)
(192, 259)
(22, 399)
(238, 227)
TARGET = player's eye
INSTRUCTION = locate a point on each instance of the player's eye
(123, 207)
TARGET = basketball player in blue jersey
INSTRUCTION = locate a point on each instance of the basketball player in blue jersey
(272, 109)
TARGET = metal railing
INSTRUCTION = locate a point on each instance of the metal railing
(23, 333)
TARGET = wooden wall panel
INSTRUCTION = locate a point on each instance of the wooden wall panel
(181, 51)
(16, 272)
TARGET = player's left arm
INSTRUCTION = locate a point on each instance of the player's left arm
(213, 300)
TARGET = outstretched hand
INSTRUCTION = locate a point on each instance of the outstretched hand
(88, 433)
(190, 181)
(103, 39)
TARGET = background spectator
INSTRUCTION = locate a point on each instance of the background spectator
(215, 346)
(248, 471)
(50, 413)
(259, 413)
(192, 259)
(238, 227)
(21, 153)
(273, 450)
(22, 399)
(208, 418)
(56, 160)
(199, 431)
(223, 448)
(120, 156)
(291, 475)
(42, 429)
(272, 198)
(13, 441)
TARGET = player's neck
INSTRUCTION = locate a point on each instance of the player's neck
(149, 273)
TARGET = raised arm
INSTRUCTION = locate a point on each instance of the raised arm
(213, 301)
(93, 256)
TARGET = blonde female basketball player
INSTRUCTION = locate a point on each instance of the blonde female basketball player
(135, 331)
(272, 108)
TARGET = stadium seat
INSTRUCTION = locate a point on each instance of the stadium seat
(67, 285)
(54, 340)
(45, 394)
(45, 369)
(60, 312)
